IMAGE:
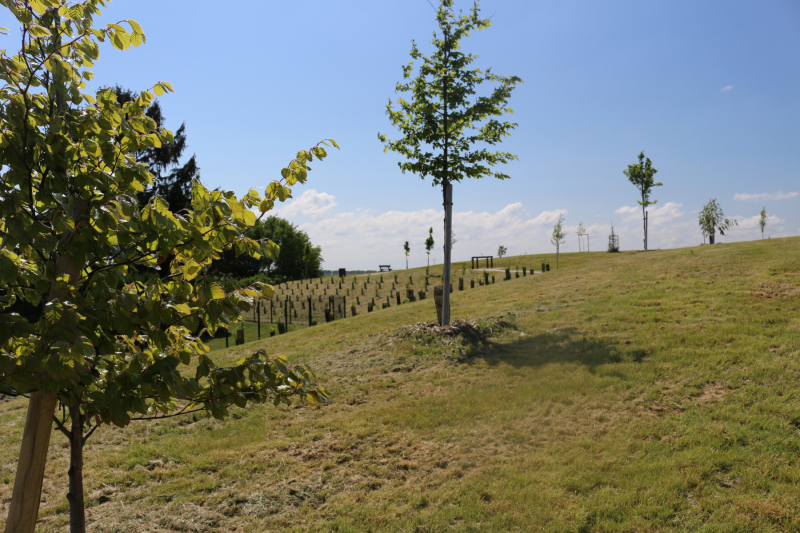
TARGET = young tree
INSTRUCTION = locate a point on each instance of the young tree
(407, 250)
(641, 175)
(446, 127)
(558, 235)
(579, 232)
(763, 220)
(712, 218)
(112, 339)
(453, 240)
(501, 251)
(429, 246)
(613, 241)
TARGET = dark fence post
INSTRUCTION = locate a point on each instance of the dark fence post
(309, 311)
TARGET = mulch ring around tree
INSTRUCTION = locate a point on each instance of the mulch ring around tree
(458, 332)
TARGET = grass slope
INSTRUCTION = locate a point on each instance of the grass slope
(380, 288)
(635, 392)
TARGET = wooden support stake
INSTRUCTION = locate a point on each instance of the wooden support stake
(30, 469)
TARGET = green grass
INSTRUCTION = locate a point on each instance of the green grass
(635, 392)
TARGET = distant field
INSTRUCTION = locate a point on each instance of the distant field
(626, 392)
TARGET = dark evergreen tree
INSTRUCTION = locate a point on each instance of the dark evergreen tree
(172, 181)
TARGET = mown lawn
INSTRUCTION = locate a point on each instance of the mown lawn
(630, 392)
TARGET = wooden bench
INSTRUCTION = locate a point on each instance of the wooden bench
(385, 268)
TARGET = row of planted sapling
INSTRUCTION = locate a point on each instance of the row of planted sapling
(315, 301)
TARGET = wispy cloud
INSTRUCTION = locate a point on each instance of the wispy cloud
(310, 204)
(765, 196)
(727, 88)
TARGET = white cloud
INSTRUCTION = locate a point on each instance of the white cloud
(748, 223)
(548, 217)
(668, 227)
(628, 210)
(668, 212)
(727, 88)
(766, 196)
(363, 239)
(311, 204)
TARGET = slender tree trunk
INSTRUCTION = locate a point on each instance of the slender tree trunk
(77, 513)
(644, 226)
(447, 189)
(448, 216)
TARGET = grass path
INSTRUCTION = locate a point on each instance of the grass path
(635, 392)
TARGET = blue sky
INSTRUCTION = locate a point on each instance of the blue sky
(708, 89)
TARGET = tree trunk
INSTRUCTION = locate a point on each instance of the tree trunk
(77, 513)
(24, 507)
(448, 216)
(557, 250)
(644, 226)
(448, 206)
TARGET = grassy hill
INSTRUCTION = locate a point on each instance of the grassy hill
(649, 391)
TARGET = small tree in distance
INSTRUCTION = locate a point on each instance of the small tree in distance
(641, 175)
(558, 235)
(407, 250)
(763, 220)
(712, 219)
(613, 241)
(446, 126)
(501, 251)
(429, 246)
(580, 231)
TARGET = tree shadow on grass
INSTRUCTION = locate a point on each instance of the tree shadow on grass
(564, 345)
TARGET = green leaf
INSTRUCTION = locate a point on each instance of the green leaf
(119, 415)
(121, 40)
(267, 291)
(191, 269)
(38, 6)
(240, 400)
(266, 205)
